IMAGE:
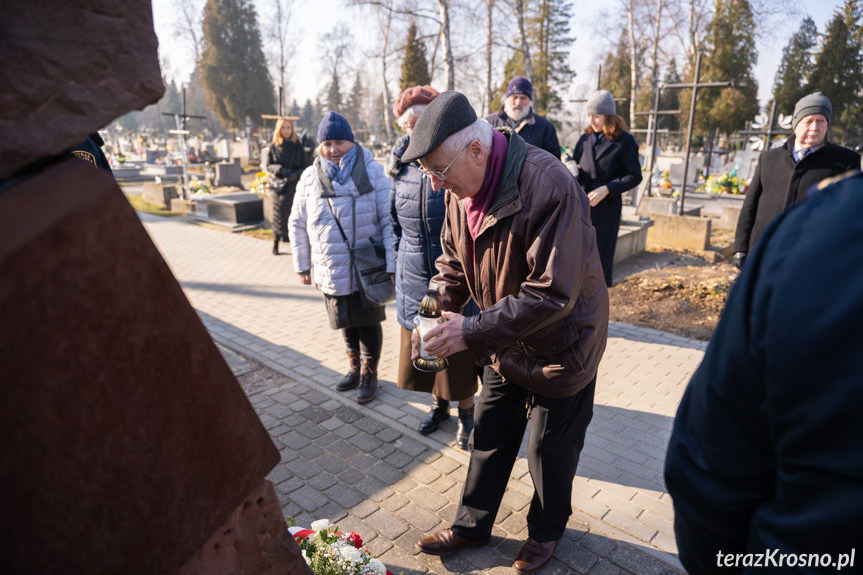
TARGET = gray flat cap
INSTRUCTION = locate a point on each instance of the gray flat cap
(447, 114)
(816, 103)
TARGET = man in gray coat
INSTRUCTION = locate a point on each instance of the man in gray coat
(783, 175)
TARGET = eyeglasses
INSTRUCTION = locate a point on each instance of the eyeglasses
(441, 175)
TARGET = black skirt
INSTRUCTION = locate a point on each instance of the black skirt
(348, 311)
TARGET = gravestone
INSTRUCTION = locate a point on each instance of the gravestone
(160, 194)
(230, 210)
(228, 174)
(152, 156)
(745, 160)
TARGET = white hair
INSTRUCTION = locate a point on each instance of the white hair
(412, 112)
(480, 130)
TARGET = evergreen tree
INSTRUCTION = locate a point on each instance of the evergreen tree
(732, 57)
(334, 95)
(838, 72)
(548, 34)
(670, 99)
(415, 66)
(335, 50)
(196, 105)
(295, 109)
(795, 68)
(353, 107)
(548, 31)
(233, 68)
(307, 117)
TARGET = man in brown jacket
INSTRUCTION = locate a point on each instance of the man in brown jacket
(517, 237)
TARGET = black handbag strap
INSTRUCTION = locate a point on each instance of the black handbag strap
(339, 224)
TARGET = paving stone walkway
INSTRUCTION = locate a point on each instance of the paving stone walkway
(366, 466)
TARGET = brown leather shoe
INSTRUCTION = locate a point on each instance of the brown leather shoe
(445, 542)
(533, 555)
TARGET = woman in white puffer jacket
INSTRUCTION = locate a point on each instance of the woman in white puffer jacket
(344, 177)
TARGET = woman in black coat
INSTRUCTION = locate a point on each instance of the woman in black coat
(284, 162)
(607, 158)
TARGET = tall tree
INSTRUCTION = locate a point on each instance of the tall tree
(353, 106)
(196, 105)
(283, 39)
(307, 117)
(489, 45)
(188, 24)
(795, 68)
(527, 63)
(335, 48)
(732, 58)
(838, 71)
(233, 67)
(415, 66)
(550, 35)
(670, 99)
(633, 64)
(446, 42)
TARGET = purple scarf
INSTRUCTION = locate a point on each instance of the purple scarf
(478, 206)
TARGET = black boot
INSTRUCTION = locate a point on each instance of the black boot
(352, 378)
(438, 412)
(465, 426)
(276, 247)
(368, 388)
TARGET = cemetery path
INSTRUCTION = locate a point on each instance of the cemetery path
(369, 470)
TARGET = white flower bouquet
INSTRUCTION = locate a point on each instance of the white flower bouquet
(330, 552)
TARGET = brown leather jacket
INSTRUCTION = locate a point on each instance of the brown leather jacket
(537, 277)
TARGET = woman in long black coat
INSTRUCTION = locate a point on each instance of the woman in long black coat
(284, 162)
(607, 158)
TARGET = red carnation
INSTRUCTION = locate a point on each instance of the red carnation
(356, 540)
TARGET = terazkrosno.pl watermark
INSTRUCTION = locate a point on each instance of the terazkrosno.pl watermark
(773, 558)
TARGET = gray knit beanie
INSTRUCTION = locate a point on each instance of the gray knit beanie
(816, 103)
(601, 102)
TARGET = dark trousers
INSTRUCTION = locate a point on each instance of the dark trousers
(557, 430)
(605, 217)
(365, 340)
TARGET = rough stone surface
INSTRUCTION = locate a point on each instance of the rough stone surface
(125, 439)
(253, 540)
(69, 68)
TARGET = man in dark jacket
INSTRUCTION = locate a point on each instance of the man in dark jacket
(764, 459)
(90, 150)
(783, 175)
(518, 114)
(517, 237)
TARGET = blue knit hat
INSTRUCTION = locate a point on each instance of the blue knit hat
(334, 127)
(519, 85)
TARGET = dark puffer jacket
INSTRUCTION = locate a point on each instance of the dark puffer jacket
(417, 212)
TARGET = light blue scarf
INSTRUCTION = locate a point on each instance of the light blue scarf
(340, 173)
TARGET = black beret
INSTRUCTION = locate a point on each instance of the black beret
(447, 114)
